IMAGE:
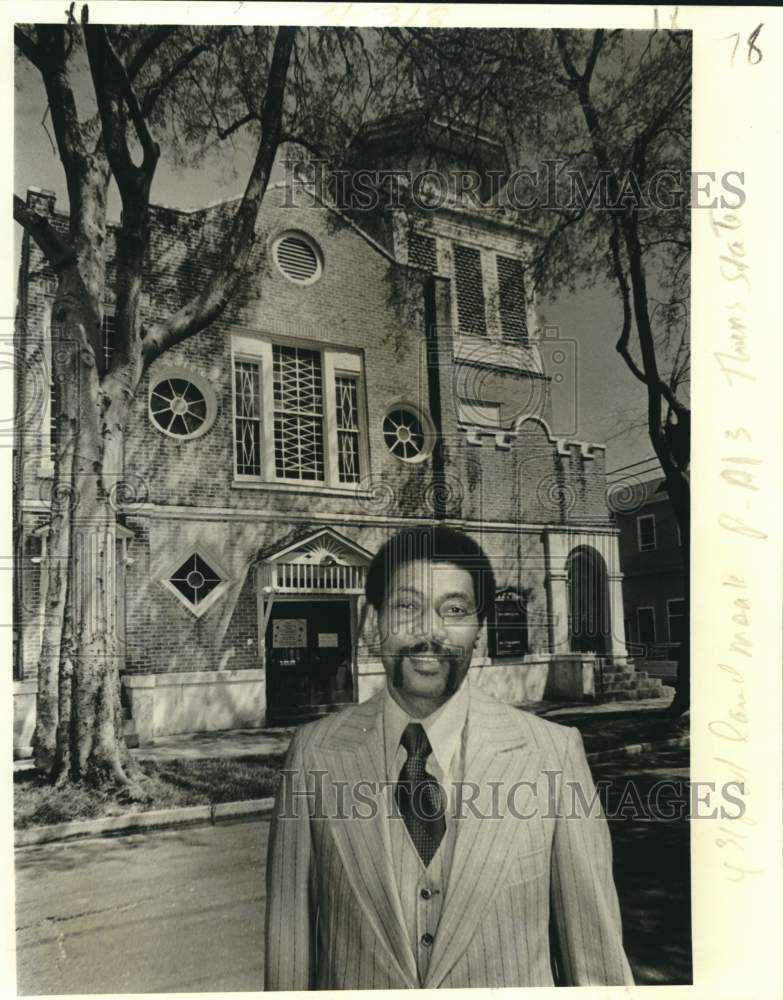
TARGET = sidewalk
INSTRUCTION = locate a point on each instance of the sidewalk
(235, 743)
(610, 732)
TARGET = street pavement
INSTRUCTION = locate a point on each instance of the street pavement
(182, 910)
(170, 911)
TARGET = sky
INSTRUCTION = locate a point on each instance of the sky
(597, 397)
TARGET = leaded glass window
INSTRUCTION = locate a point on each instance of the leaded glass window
(247, 418)
(195, 579)
(178, 406)
(404, 434)
(347, 411)
(298, 413)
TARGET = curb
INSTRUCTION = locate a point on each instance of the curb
(636, 748)
(162, 819)
(158, 819)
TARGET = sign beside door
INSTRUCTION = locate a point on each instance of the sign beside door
(289, 633)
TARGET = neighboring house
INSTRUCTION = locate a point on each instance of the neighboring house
(361, 384)
(653, 576)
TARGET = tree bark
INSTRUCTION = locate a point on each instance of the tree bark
(78, 734)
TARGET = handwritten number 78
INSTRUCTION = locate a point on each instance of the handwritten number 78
(755, 54)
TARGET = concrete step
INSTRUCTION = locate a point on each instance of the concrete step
(130, 734)
(611, 676)
(639, 693)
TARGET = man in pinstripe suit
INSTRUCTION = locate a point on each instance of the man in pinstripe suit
(432, 836)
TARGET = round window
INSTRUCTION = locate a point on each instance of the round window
(182, 405)
(406, 435)
(298, 257)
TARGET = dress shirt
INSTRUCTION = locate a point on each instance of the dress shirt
(445, 729)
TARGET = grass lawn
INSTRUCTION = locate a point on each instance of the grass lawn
(169, 785)
(606, 730)
(177, 783)
(652, 866)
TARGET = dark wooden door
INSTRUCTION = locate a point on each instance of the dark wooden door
(308, 657)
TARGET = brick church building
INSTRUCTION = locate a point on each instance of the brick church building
(369, 377)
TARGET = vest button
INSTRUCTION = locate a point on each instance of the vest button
(426, 894)
(427, 939)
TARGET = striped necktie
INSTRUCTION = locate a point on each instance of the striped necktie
(419, 796)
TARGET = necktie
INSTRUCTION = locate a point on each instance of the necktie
(419, 796)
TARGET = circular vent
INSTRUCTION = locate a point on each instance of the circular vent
(298, 257)
(406, 435)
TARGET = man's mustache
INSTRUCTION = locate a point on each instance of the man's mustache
(430, 648)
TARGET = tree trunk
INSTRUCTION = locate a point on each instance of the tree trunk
(679, 494)
(78, 734)
(670, 441)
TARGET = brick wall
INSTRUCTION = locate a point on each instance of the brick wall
(365, 302)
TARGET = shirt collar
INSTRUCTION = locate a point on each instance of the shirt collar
(443, 727)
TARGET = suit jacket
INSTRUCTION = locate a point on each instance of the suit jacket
(524, 876)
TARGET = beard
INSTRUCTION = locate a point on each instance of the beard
(452, 655)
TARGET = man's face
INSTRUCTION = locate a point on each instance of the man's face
(428, 626)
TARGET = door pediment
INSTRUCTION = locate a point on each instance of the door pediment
(325, 562)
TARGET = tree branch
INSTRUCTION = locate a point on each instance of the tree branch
(147, 49)
(625, 293)
(57, 250)
(208, 304)
(167, 78)
(112, 90)
(224, 133)
(65, 119)
(29, 49)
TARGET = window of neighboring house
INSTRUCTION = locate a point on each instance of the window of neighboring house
(645, 530)
(511, 292)
(645, 620)
(297, 414)
(469, 282)
(675, 616)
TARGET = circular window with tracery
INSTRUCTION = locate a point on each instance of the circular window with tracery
(406, 434)
(181, 404)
